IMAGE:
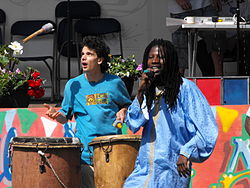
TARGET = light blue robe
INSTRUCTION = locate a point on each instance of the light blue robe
(190, 129)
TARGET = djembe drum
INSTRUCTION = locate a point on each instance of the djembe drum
(45, 162)
(114, 159)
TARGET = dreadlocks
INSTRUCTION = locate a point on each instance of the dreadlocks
(170, 77)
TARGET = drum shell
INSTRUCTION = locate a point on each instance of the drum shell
(114, 172)
(64, 158)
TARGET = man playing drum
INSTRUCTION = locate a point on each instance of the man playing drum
(95, 99)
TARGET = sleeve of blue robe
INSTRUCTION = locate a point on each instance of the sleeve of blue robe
(199, 117)
(137, 115)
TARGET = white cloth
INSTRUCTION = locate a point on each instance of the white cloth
(174, 8)
(248, 112)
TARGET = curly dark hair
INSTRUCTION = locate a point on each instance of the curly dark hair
(99, 46)
(170, 78)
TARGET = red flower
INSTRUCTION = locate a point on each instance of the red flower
(35, 85)
(37, 93)
(35, 75)
(31, 83)
(30, 92)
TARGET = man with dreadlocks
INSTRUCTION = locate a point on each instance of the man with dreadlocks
(178, 125)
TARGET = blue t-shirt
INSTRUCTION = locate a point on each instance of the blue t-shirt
(94, 106)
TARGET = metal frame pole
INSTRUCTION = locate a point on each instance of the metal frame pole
(69, 37)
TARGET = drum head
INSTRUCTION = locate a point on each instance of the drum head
(45, 142)
(115, 138)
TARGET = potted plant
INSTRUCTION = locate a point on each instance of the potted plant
(16, 86)
(126, 69)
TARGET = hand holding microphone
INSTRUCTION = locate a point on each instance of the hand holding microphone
(146, 79)
(150, 74)
(45, 29)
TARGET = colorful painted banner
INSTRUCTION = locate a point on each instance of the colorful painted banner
(228, 166)
(225, 91)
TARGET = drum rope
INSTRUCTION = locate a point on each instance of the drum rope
(42, 154)
(106, 150)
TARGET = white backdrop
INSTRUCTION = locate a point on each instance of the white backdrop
(141, 21)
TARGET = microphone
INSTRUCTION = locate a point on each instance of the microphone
(150, 74)
(45, 29)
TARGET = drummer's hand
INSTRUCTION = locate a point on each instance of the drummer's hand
(121, 114)
(184, 4)
(51, 112)
(183, 167)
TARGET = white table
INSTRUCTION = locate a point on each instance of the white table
(194, 28)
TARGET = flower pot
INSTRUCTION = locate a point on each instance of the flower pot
(19, 99)
(129, 82)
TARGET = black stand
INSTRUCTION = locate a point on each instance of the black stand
(238, 34)
(69, 38)
(243, 68)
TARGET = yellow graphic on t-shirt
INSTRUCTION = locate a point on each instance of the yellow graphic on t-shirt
(99, 98)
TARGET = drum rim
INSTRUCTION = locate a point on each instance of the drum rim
(115, 138)
(32, 145)
(40, 142)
